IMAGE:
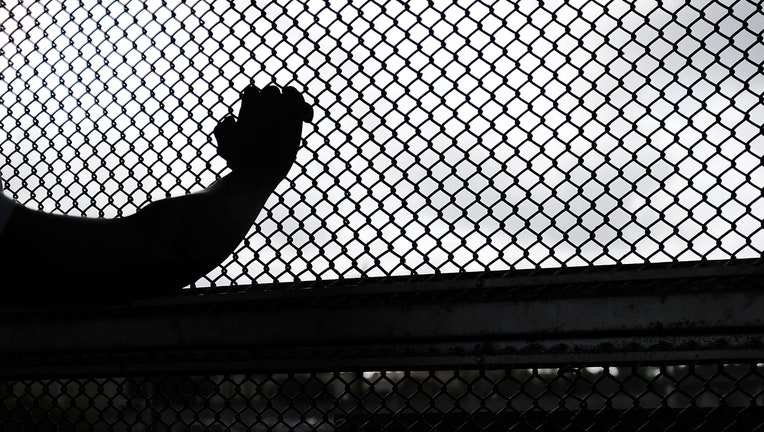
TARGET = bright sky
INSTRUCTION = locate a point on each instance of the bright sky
(446, 137)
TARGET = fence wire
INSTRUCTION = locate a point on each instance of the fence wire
(449, 136)
(660, 397)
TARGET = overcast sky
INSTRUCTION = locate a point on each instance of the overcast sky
(446, 138)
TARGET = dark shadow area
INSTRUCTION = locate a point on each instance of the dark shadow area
(168, 244)
(692, 396)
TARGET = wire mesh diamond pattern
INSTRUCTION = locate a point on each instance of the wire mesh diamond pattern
(449, 137)
(695, 396)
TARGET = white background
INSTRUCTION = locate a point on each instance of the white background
(447, 138)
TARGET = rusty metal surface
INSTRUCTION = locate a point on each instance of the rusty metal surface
(660, 313)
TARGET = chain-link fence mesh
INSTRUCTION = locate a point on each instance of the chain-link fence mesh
(449, 136)
(653, 397)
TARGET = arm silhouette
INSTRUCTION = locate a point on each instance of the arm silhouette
(169, 243)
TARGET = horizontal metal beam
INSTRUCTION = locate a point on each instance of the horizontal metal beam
(702, 311)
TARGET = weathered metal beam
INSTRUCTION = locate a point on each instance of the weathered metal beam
(687, 312)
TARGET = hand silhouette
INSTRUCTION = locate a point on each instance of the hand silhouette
(263, 141)
(166, 244)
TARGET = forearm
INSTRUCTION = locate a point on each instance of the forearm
(198, 231)
(161, 248)
(173, 242)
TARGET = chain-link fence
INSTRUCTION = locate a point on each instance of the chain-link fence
(449, 136)
(654, 397)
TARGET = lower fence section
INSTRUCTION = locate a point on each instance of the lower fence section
(675, 347)
(606, 397)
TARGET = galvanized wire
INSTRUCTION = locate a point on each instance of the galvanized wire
(450, 137)
(694, 396)
(469, 136)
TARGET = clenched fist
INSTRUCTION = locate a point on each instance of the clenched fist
(263, 141)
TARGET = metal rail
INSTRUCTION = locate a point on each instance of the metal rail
(659, 312)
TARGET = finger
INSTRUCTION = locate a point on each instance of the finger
(269, 96)
(293, 104)
(298, 104)
(293, 97)
(307, 115)
(290, 120)
(225, 132)
(266, 110)
(249, 102)
(225, 129)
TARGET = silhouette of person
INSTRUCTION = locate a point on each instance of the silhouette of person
(168, 244)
